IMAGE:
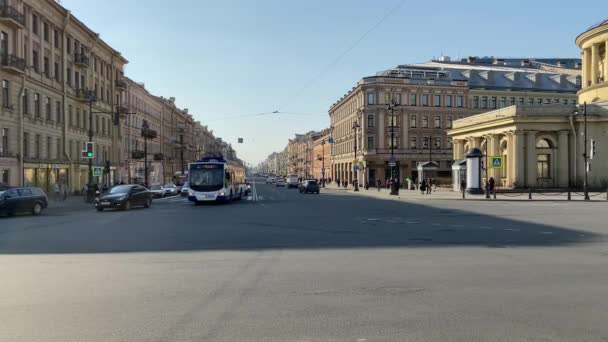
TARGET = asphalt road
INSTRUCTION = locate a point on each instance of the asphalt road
(292, 267)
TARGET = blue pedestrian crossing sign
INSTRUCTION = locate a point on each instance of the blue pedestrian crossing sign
(97, 171)
(496, 162)
(356, 167)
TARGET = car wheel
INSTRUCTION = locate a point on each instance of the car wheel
(127, 205)
(37, 209)
(99, 208)
(148, 203)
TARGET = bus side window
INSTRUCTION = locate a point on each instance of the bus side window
(228, 178)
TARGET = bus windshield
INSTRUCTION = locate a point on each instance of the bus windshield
(206, 177)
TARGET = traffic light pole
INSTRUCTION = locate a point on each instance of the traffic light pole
(585, 155)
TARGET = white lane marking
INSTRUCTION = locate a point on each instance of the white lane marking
(546, 232)
(512, 229)
(412, 222)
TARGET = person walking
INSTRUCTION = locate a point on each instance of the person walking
(429, 186)
(85, 189)
(423, 186)
(491, 183)
(378, 184)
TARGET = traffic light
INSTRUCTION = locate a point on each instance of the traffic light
(89, 149)
(593, 151)
(107, 170)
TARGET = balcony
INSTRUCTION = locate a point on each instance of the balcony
(120, 84)
(123, 110)
(13, 63)
(81, 60)
(84, 95)
(10, 16)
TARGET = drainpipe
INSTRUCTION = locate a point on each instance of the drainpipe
(575, 147)
(21, 109)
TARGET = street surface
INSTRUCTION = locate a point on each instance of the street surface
(282, 266)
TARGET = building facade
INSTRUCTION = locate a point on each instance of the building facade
(428, 98)
(321, 155)
(594, 49)
(60, 81)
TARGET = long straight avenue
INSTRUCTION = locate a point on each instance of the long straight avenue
(284, 266)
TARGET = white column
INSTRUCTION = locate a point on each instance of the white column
(519, 158)
(531, 158)
(595, 55)
(510, 171)
(562, 159)
(606, 61)
(586, 67)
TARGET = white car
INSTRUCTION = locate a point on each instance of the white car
(185, 190)
(170, 189)
(293, 181)
(269, 180)
(280, 182)
(158, 191)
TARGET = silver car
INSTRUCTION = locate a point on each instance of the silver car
(170, 189)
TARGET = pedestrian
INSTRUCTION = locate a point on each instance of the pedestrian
(104, 189)
(378, 184)
(491, 183)
(387, 183)
(429, 186)
(57, 190)
(84, 190)
(423, 186)
(463, 184)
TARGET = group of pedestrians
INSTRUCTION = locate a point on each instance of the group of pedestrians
(61, 191)
(426, 186)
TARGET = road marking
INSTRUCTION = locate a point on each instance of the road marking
(546, 232)
(486, 227)
(512, 229)
(412, 222)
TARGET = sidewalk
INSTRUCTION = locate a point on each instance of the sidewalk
(447, 194)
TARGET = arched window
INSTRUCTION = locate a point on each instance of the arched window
(543, 143)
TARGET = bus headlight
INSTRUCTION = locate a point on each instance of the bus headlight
(222, 194)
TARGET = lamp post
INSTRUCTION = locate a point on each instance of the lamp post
(487, 185)
(355, 167)
(146, 133)
(585, 155)
(394, 185)
(323, 163)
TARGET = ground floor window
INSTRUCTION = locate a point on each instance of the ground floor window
(543, 166)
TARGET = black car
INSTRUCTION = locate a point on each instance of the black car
(124, 197)
(22, 200)
(310, 185)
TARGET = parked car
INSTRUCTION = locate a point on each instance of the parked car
(158, 191)
(269, 180)
(171, 189)
(184, 190)
(280, 182)
(293, 181)
(22, 200)
(309, 185)
(124, 197)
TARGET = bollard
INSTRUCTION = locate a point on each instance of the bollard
(569, 195)
(494, 193)
(529, 193)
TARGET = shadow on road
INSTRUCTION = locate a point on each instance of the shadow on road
(294, 222)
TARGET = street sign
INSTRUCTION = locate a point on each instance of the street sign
(323, 169)
(355, 167)
(330, 140)
(496, 162)
(97, 171)
(391, 164)
(392, 159)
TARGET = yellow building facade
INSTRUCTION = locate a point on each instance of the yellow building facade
(543, 146)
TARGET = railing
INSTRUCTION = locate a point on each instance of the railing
(84, 94)
(81, 59)
(120, 84)
(13, 62)
(11, 12)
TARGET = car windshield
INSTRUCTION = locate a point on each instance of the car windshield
(156, 187)
(120, 189)
(169, 185)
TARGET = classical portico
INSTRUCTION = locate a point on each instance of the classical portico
(594, 49)
(539, 145)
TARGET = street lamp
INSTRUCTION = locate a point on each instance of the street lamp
(146, 133)
(486, 167)
(323, 163)
(355, 167)
(585, 156)
(394, 185)
(90, 189)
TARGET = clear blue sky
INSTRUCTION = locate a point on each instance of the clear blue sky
(239, 57)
